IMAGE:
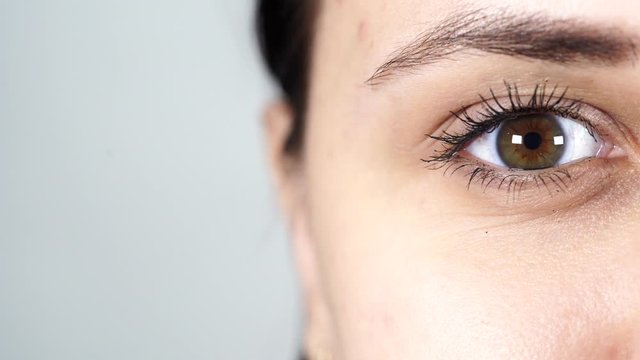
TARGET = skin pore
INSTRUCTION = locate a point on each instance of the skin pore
(401, 257)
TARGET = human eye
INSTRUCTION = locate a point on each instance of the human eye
(535, 142)
(512, 141)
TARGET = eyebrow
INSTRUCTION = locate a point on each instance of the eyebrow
(533, 36)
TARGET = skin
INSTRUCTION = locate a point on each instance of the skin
(398, 261)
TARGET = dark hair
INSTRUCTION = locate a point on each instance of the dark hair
(285, 35)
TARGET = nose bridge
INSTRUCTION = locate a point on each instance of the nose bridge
(618, 341)
(598, 326)
(626, 325)
(608, 323)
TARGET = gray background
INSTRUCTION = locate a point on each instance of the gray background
(136, 217)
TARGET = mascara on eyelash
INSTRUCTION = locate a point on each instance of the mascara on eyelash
(494, 113)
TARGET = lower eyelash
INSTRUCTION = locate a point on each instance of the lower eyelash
(553, 180)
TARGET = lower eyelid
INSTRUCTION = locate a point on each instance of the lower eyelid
(524, 191)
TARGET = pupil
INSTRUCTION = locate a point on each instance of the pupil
(532, 140)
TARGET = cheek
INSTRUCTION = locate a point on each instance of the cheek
(404, 282)
(425, 308)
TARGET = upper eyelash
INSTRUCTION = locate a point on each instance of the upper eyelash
(495, 113)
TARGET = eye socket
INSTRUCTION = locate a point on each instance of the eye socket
(535, 142)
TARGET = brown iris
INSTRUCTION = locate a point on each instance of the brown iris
(531, 142)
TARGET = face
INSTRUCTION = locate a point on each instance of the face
(469, 186)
